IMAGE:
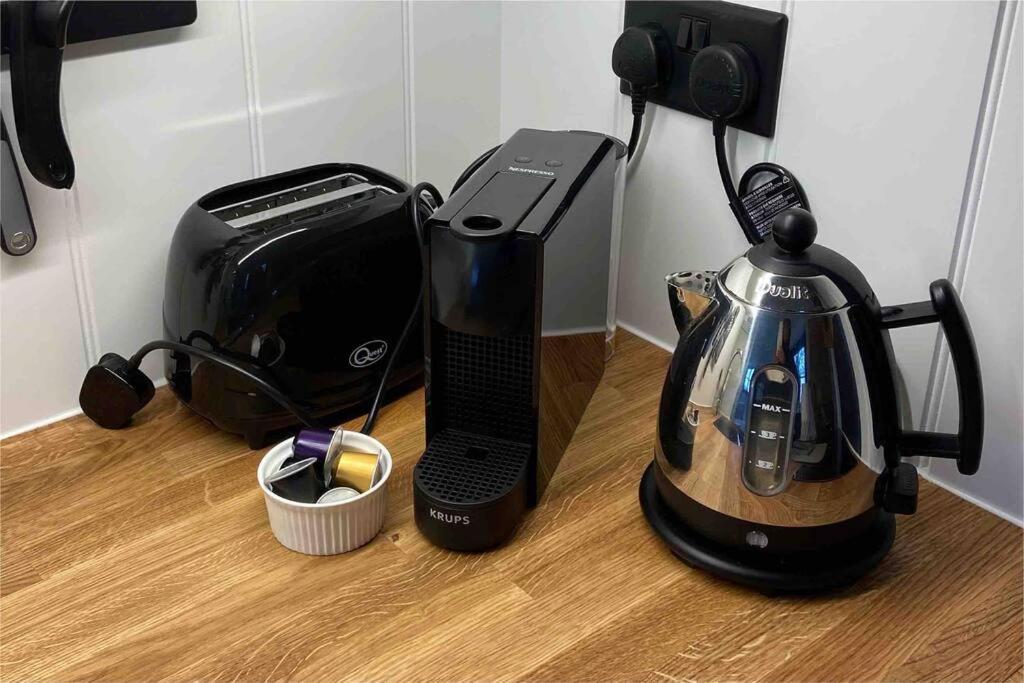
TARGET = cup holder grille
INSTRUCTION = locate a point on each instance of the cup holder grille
(464, 468)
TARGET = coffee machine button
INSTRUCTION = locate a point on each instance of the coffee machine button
(523, 160)
(553, 163)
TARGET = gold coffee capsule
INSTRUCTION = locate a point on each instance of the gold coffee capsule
(355, 470)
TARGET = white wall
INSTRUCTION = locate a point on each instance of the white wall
(879, 119)
(156, 120)
(988, 266)
(908, 148)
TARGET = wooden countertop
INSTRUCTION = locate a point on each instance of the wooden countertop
(144, 554)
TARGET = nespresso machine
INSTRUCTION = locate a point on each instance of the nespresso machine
(519, 318)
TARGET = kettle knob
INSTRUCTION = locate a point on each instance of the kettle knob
(794, 230)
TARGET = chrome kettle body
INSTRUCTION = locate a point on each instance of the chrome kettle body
(780, 424)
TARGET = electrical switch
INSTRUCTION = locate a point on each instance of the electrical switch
(683, 34)
(699, 36)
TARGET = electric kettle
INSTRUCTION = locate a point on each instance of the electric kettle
(779, 458)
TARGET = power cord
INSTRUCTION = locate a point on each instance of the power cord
(268, 388)
(639, 100)
(746, 225)
(747, 185)
(723, 84)
(642, 57)
(417, 222)
(471, 169)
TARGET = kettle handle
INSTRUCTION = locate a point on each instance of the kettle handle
(946, 309)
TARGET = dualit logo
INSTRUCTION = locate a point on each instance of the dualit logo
(532, 171)
(783, 291)
(448, 517)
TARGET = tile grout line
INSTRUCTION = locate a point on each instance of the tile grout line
(973, 187)
(252, 89)
(771, 151)
(74, 230)
(409, 90)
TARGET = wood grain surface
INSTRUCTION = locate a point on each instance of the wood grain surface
(144, 554)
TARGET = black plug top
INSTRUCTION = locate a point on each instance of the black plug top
(723, 80)
(642, 57)
(113, 391)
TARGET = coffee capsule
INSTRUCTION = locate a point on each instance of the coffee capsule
(313, 443)
(346, 466)
(355, 470)
(338, 494)
(297, 480)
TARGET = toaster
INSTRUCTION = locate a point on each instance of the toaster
(308, 277)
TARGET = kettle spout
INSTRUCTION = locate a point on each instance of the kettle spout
(689, 294)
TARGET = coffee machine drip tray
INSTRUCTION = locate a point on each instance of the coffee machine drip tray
(472, 489)
(810, 571)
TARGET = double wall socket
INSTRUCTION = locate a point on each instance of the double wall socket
(691, 26)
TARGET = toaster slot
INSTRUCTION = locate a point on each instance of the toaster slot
(311, 193)
(301, 204)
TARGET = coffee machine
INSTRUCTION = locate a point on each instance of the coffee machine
(518, 325)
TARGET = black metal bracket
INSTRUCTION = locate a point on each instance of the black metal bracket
(33, 34)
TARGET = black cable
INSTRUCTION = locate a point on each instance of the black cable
(746, 180)
(746, 183)
(470, 170)
(638, 96)
(371, 417)
(730, 190)
(634, 135)
(266, 387)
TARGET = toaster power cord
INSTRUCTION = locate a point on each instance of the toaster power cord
(470, 170)
(417, 205)
(115, 388)
(268, 388)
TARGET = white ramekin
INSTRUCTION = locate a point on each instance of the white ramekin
(329, 528)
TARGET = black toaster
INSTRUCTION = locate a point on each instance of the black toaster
(308, 276)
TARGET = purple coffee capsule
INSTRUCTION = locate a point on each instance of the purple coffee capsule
(312, 443)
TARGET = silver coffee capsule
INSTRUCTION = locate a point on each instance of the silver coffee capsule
(338, 494)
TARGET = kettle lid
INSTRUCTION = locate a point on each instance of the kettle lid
(789, 273)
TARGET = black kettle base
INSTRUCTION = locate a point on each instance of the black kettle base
(804, 574)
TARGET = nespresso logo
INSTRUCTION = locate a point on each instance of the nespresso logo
(368, 354)
(448, 517)
(772, 289)
(531, 171)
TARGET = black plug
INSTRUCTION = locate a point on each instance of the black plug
(723, 84)
(723, 81)
(113, 391)
(642, 57)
